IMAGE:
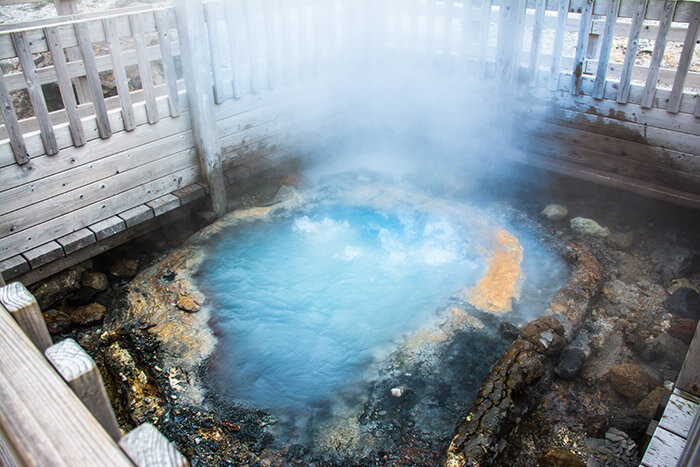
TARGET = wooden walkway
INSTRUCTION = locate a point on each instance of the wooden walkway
(671, 435)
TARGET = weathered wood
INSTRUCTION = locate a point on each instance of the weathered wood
(555, 69)
(137, 215)
(19, 150)
(691, 451)
(40, 417)
(13, 266)
(232, 24)
(146, 445)
(119, 73)
(145, 70)
(679, 413)
(664, 449)
(519, 31)
(658, 54)
(674, 101)
(64, 84)
(22, 306)
(484, 26)
(76, 240)
(190, 20)
(78, 369)
(253, 46)
(190, 193)
(465, 34)
(167, 60)
(164, 204)
(36, 95)
(43, 254)
(581, 46)
(606, 47)
(108, 227)
(631, 52)
(271, 44)
(212, 13)
(93, 79)
(689, 376)
(536, 40)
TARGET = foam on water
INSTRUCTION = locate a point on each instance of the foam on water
(304, 303)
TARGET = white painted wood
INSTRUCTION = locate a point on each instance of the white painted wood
(555, 69)
(146, 446)
(93, 79)
(19, 149)
(119, 73)
(64, 84)
(658, 54)
(581, 46)
(22, 306)
(36, 95)
(40, 416)
(674, 101)
(145, 71)
(631, 52)
(43, 254)
(606, 47)
(163, 21)
(78, 369)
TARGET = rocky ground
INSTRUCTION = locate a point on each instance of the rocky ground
(594, 389)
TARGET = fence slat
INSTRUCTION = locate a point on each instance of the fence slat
(211, 13)
(606, 46)
(464, 33)
(166, 51)
(253, 46)
(8, 114)
(88, 54)
(555, 69)
(447, 39)
(144, 69)
(658, 54)
(519, 30)
(674, 101)
(119, 73)
(581, 46)
(536, 39)
(430, 14)
(64, 84)
(36, 95)
(271, 43)
(234, 46)
(484, 25)
(287, 39)
(623, 92)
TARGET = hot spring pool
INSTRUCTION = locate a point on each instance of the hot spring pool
(360, 312)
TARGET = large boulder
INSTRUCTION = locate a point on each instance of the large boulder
(570, 362)
(630, 380)
(684, 303)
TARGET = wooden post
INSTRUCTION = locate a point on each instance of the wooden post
(145, 445)
(23, 307)
(689, 376)
(78, 369)
(190, 19)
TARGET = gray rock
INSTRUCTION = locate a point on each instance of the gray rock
(56, 321)
(588, 227)
(669, 348)
(95, 280)
(509, 331)
(555, 212)
(620, 241)
(88, 314)
(570, 362)
(684, 303)
(57, 287)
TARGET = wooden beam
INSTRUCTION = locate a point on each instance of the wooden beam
(689, 376)
(23, 307)
(19, 149)
(78, 369)
(190, 20)
(146, 445)
(41, 419)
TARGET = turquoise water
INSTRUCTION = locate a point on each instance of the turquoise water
(303, 304)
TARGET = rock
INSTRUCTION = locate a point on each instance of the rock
(690, 266)
(682, 329)
(545, 334)
(124, 268)
(56, 321)
(509, 331)
(684, 303)
(397, 392)
(662, 273)
(555, 212)
(187, 303)
(669, 348)
(95, 280)
(648, 406)
(82, 296)
(58, 286)
(570, 362)
(558, 457)
(88, 314)
(629, 380)
(588, 227)
(620, 241)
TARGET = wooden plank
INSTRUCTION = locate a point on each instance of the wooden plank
(606, 47)
(166, 50)
(76, 240)
(93, 78)
(43, 254)
(119, 71)
(108, 227)
(484, 26)
(689, 376)
(663, 450)
(679, 413)
(518, 32)
(581, 46)
(146, 445)
(145, 70)
(431, 14)
(64, 84)
(253, 46)
(164, 204)
(36, 95)
(658, 54)
(63, 225)
(13, 267)
(232, 25)
(190, 193)
(631, 52)
(536, 40)
(691, 451)
(674, 101)
(19, 149)
(23, 307)
(555, 69)
(212, 13)
(137, 215)
(271, 43)
(78, 369)
(40, 416)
